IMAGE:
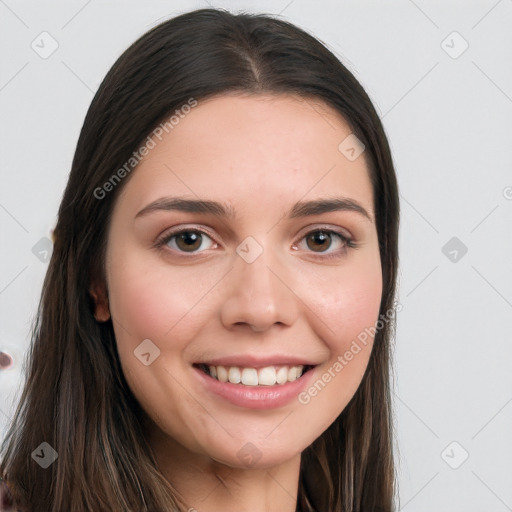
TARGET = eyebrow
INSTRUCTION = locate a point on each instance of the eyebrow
(299, 209)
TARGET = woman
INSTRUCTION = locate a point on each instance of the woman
(215, 324)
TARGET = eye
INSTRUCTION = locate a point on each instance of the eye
(187, 240)
(326, 243)
(320, 241)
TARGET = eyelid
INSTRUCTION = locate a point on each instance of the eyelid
(325, 227)
(343, 233)
(347, 240)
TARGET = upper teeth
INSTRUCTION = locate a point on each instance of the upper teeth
(267, 376)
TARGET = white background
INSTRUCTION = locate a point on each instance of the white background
(448, 119)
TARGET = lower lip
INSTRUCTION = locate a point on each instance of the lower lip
(256, 397)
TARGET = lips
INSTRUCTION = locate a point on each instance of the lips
(252, 394)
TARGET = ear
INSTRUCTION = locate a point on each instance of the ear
(99, 293)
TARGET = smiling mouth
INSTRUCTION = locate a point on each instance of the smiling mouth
(248, 376)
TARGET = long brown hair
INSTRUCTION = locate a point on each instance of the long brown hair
(75, 396)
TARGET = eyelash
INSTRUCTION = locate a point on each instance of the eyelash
(348, 242)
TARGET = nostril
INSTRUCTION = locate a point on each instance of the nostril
(6, 361)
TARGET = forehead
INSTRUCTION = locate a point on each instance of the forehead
(246, 148)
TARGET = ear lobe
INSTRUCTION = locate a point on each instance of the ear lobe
(99, 294)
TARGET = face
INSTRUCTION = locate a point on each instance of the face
(253, 282)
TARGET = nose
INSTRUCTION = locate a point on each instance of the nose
(260, 295)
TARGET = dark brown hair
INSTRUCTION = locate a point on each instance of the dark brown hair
(75, 396)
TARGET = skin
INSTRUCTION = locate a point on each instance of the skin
(259, 155)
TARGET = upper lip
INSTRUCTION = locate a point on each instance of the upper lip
(255, 361)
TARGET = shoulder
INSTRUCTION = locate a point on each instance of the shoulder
(6, 503)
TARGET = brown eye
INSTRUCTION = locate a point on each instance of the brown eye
(326, 243)
(319, 241)
(188, 240)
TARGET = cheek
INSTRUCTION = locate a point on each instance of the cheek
(348, 307)
(148, 302)
(348, 302)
